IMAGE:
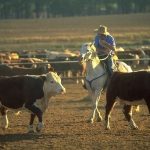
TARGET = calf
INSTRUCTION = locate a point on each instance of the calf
(28, 92)
(132, 89)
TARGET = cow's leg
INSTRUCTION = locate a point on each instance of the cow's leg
(128, 115)
(31, 127)
(96, 112)
(4, 119)
(77, 76)
(38, 113)
(109, 106)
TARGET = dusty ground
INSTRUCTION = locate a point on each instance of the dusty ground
(66, 127)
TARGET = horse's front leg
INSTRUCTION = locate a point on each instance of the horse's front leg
(95, 100)
(4, 119)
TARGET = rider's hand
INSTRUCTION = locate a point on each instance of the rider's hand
(103, 42)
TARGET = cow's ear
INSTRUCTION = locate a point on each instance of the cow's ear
(43, 77)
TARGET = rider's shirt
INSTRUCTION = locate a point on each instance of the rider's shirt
(97, 42)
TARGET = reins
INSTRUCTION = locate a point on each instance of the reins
(106, 56)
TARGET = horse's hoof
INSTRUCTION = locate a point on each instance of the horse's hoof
(135, 128)
(107, 128)
(90, 121)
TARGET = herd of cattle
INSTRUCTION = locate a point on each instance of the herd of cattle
(38, 64)
(60, 61)
(30, 85)
(64, 63)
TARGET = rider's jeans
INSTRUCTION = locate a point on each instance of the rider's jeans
(109, 64)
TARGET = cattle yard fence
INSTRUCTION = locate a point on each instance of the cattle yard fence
(77, 77)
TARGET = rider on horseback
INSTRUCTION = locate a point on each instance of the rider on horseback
(105, 46)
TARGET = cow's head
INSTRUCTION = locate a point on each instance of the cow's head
(52, 85)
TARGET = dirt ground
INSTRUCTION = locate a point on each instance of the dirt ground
(66, 127)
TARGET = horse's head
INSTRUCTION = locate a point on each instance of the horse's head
(87, 52)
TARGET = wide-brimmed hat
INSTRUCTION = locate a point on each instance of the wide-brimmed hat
(102, 30)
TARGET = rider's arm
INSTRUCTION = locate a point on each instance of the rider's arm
(108, 46)
(109, 43)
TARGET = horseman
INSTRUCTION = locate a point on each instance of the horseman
(105, 47)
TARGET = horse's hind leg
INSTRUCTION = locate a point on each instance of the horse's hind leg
(128, 115)
(98, 114)
(4, 119)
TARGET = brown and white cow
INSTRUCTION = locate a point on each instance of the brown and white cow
(131, 89)
(28, 92)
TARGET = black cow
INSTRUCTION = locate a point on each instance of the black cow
(28, 92)
(132, 89)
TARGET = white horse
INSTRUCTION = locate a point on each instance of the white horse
(96, 76)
